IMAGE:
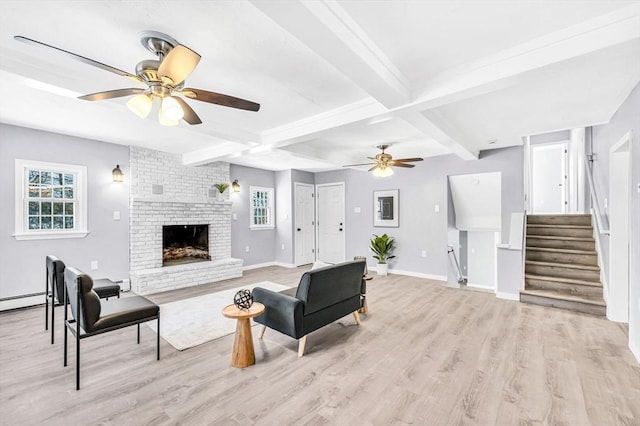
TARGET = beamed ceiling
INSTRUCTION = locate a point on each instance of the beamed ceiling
(334, 78)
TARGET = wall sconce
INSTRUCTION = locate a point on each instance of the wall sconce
(118, 176)
(235, 185)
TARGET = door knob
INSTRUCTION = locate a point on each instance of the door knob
(340, 229)
(298, 229)
(340, 223)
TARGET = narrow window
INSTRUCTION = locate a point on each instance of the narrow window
(261, 208)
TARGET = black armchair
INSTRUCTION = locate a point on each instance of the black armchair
(92, 317)
(54, 289)
(323, 296)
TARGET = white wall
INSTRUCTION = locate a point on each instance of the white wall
(603, 137)
(23, 262)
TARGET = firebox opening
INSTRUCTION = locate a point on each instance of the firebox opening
(185, 244)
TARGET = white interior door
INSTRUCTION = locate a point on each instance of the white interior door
(482, 259)
(549, 178)
(330, 224)
(304, 223)
(619, 194)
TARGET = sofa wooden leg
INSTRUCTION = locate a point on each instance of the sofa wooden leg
(261, 335)
(364, 309)
(357, 317)
(301, 343)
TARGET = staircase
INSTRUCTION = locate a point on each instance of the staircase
(561, 267)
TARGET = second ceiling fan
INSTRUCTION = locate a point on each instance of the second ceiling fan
(164, 78)
(383, 162)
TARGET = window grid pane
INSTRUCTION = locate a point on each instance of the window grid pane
(260, 201)
(51, 200)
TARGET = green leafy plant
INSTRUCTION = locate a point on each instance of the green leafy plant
(381, 247)
(221, 187)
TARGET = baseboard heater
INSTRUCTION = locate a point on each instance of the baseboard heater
(21, 301)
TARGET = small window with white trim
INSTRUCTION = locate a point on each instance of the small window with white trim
(50, 201)
(261, 208)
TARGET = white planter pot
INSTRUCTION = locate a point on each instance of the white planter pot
(382, 269)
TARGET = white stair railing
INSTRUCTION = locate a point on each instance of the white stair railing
(602, 225)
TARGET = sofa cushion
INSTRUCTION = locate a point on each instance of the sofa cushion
(330, 285)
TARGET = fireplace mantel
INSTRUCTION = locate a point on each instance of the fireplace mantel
(173, 200)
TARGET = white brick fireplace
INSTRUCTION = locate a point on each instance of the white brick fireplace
(164, 192)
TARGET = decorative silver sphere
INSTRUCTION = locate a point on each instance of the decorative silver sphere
(243, 299)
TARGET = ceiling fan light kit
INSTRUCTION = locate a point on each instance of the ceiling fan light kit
(171, 109)
(140, 105)
(164, 79)
(382, 171)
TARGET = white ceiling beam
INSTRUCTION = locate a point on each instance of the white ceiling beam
(301, 130)
(504, 68)
(326, 28)
(441, 136)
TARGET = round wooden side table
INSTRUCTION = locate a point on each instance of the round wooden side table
(243, 354)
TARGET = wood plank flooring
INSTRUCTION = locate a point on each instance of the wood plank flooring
(424, 355)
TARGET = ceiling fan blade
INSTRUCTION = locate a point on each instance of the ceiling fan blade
(80, 58)
(407, 160)
(179, 63)
(394, 164)
(190, 115)
(362, 164)
(219, 99)
(373, 168)
(110, 94)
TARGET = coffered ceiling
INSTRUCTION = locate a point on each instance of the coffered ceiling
(334, 78)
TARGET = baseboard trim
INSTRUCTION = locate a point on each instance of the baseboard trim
(415, 274)
(21, 302)
(258, 265)
(267, 264)
(507, 296)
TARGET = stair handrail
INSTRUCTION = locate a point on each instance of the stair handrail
(452, 255)
(594, 201)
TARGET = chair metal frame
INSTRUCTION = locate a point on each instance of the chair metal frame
(80, 334)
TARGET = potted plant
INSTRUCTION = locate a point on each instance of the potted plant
(381, 247)
(221, 187)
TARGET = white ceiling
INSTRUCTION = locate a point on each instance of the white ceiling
(334, 78)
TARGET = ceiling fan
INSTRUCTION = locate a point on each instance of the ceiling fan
(383, 162)
(164, 78)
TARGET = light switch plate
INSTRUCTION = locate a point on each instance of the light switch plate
(94, 265)
(356, 210)
(436, 208)
(116, 215)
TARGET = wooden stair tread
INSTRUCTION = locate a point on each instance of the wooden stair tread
(559, 250)
(558, 215)
(559, 237)
(589, 300)
(551, 225)
(564, 265)
(564, 280)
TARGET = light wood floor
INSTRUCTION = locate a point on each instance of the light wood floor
(424, 355)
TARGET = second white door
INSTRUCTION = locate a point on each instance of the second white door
(548, 178)
(330, 225)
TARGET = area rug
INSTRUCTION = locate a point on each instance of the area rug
(192, 322)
